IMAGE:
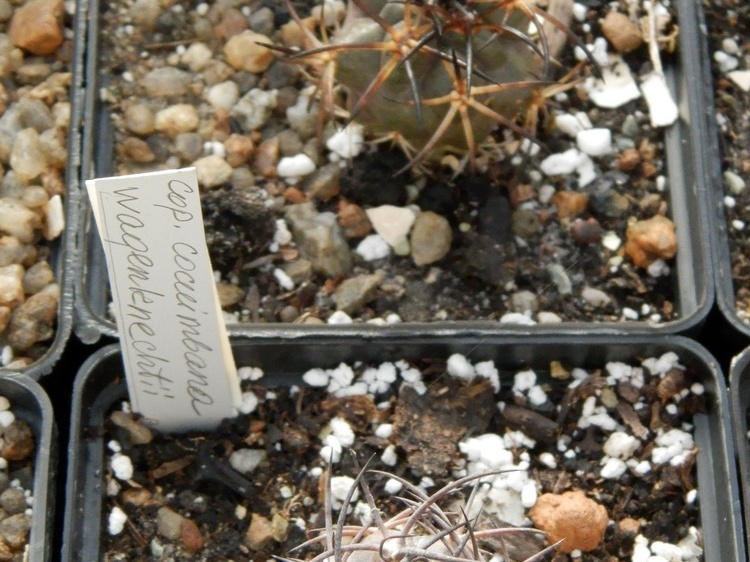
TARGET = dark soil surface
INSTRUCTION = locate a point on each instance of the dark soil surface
(191, 474)
(506, 235)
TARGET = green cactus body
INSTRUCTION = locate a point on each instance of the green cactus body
(499, 57)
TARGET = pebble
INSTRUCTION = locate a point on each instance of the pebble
(239, 149)
(190, 535)
(229, 294)
(37, 26)
(15, 530)
(393, 224)
(623, 33)
(595, 297)
(176, 119)
(243, 51)
(354, 221)
(323, 183)
(166, 81)
(741, 78)
(546, 317)
(145, 13)
(319, 239)
(11, 285)
(525, 223)
(33, 321)
(522, 301)
(629, 160)
(734, 182)
(569, 203)
(265, 158)
(138, 433)
(197, 56)
(259, 533)
(168, 523)
(137, 150)
(573, 517)
(587, 231)
(353, 293)
(188, 146)
(431, 238)
(254, 108)
(651, 239)
(139, 119)
(559, 277)
(13, 500)
(27, 157)
(212, 171)
(18, 441)
(223, 95)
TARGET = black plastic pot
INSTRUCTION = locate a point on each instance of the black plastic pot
(707, 126)
(63, 250)
(739, 390)
(694, 291)
(99, 387)
(30, 404)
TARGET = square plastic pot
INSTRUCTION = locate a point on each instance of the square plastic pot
(62, 257)
(30, 404)
(694, 291)
(706, 127)
(99, 388)
(739, 378)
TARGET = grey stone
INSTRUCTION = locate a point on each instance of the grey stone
(262, 21)
(168, 523)
(188, 146)
(431, 238)
(521, 301)
(27, 157)
(37, 277)
(357, 291)
(35, 114)
(525, 223)
(166, 81)
(319, 239)
(560, 279)
(13, 500)
(595, 297)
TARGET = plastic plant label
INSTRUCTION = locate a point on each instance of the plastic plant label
(178, 362)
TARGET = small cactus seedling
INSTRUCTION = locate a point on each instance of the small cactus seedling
(422, 531)
(434, 75)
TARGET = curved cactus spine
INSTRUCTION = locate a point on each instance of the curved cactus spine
(438, 75)
(423, 530)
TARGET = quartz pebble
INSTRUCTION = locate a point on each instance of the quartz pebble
(431, 238)
(245, 52)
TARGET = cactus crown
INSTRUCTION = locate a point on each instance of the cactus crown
(433, 75)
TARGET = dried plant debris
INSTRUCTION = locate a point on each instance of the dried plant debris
(577, 230)
(602, 458)
(731, 72)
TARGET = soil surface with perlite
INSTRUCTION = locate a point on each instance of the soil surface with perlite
(603, 458)
(576, 230)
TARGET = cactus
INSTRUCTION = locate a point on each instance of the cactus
(436, 76)
(422, 531)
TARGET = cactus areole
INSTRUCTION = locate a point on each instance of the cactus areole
(434, 75)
